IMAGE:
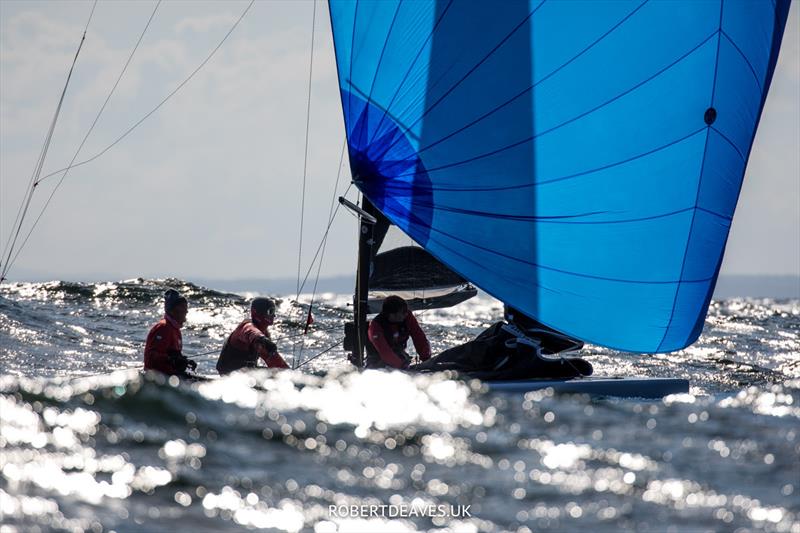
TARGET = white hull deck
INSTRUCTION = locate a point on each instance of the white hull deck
(623, 387)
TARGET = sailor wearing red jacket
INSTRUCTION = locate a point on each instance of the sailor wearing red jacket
(162, 350)
(250, 341)
(389, 333)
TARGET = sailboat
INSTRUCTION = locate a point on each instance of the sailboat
(578, 161)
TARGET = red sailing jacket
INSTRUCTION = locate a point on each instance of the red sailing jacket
(164, 338)
(242, 349)
(389, 339)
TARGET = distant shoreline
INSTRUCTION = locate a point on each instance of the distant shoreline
(728, 286)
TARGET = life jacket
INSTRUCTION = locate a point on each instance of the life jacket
(235, 356)
(163, 340)
(396, 336)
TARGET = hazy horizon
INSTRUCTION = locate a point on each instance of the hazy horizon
(780, 286)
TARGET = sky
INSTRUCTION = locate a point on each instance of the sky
(210, 186)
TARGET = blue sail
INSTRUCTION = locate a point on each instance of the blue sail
(580, 161)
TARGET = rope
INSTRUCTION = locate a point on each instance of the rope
(10, 243)
(324, 244)
(321, 245)
(305, 163)
(330, 214)
(94, 123)
(323, 352)
(322, 241)
(127, 132)
(332, 328)
(201, 354)
(326, 350)
(166, 98)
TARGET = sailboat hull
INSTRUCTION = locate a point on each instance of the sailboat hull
(621, 387)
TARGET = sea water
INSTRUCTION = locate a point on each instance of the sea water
(88, 443)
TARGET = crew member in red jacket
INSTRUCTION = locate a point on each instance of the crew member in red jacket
(388, 335)
(250, 341)
(162, 351)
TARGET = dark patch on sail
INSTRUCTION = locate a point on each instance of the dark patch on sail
(381, 153)
(710, 116)
(410, 268)
(474, 51)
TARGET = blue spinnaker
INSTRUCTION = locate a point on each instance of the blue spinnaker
(580, 161)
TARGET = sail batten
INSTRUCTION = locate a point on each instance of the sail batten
(580, 161)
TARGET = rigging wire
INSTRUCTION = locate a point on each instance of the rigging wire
(326, 350)
(322, 241)
(323, 352)
(323, 244)
(276, 340)
(305, 160)
(127, 132)
(94, 123)
(40, 161)
(330, 213)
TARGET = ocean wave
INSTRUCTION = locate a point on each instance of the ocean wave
(88, 442)
(267, 449)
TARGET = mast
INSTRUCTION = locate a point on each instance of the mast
(362, 287)
(366, 223)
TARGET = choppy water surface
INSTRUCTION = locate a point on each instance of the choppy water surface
(88, 443)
